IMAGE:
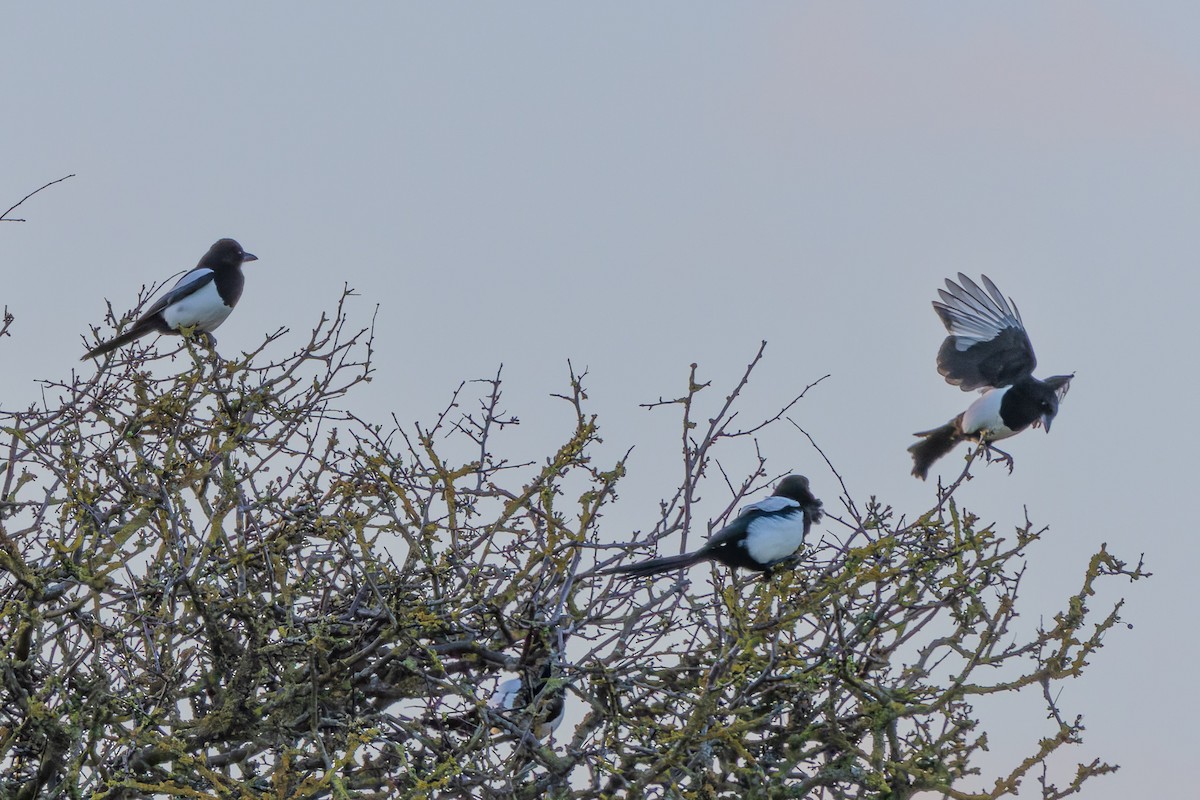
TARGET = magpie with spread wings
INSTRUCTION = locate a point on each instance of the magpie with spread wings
(988, 349)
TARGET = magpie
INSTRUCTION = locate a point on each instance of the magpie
(202, 298)
(763, 534)
(532, 694)
(987, 349)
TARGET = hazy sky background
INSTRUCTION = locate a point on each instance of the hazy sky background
(639, 187)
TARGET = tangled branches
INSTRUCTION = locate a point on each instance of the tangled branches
(219, 582)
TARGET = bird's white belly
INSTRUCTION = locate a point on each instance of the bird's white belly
(770, 539)
(203, 308)
(983, 416)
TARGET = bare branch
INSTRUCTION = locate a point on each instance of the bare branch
(5, 218)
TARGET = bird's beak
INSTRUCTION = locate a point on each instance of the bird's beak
(249, 257)
(1046, 418)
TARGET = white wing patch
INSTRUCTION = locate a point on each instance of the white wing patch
(769, 505)
(507, 697)
(507, 694)
(192, 275)
(770, 539)
(974, 315)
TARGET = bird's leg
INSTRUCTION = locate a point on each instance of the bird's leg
(210, 342)
(774, 568)
(1005, 458)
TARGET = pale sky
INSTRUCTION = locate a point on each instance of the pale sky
(639, 187)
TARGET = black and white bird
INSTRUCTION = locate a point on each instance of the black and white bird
(763, 534)
(201, 299)
(533, 695)
(987, 349)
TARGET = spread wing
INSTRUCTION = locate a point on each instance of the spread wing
(198, 278)
(987, 345)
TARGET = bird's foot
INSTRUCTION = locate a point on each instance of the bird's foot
(210, 342)
(993, 453)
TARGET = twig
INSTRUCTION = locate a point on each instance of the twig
(5, 218)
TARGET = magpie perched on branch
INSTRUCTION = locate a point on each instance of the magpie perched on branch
(201, 299)
(987, 349)
(763, 534)
(533, 694)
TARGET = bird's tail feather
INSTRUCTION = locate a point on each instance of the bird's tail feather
(136, 332)
(654, 566)
(933, 445)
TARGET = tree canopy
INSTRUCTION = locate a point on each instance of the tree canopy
(219, 581)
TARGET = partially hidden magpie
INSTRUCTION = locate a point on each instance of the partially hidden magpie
(763, 534)
(201, 299)
(532, 695)
(987, 349)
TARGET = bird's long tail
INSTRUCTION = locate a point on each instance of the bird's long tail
(136, 332)
(933, 445)
(654, 566)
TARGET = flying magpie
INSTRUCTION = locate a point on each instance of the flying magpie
(202, 298)
(987, 349)
(763, 534)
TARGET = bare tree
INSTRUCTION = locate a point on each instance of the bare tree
(218, 581)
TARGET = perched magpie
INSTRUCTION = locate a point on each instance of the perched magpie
(763, 534)
(202, 298)
(987, 349)
(531, 694)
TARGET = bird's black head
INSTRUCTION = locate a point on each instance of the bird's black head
(1045, 399)
(226, 253)
(795, 487)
